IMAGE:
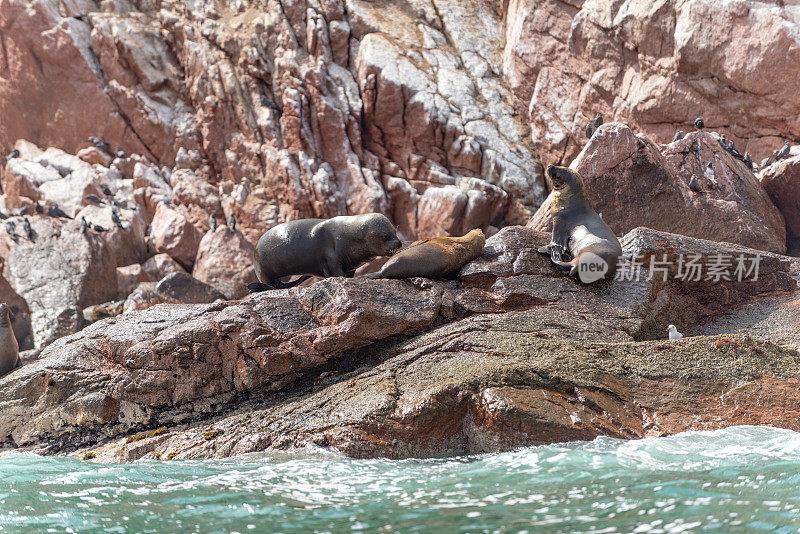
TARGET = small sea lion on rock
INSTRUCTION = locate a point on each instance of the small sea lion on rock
(437, 257)
(9, 349)
(320, 247)
(578, 230)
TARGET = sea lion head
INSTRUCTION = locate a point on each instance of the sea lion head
(563, 178)
(379, 235)
(475, 240)
(568, 189)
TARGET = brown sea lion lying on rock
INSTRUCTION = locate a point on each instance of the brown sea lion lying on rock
(437, 257)
(578, 231)
(320, 247)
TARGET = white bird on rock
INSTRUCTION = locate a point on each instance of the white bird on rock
(673, 332)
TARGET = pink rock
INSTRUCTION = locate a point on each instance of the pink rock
(781, 180)
(654, 66)
(95, 156)
(172, 233)
(225, 261)
(632, 183)
(127, 243)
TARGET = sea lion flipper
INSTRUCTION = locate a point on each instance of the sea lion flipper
(257, 287)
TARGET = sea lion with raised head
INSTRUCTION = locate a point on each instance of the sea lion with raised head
(437, 257)
(9, 349)
(578, 230)
(321, 247)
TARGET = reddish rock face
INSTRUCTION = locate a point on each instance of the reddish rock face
(632, 182)
(654, 66)
(781, 180)
(225, 261)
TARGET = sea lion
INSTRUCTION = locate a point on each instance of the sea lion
(321, 247)
(578, 230)
(9, 349)
(437, 257)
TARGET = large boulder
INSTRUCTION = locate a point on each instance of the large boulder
(632, 183)
(172, 233)
(225, 261)
(530, 329)
(781, 180)
(59, 271)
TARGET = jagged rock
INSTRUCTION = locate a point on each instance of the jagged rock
(127, 243)
(654, 66)
(529, 329)
(173, 234)
(185, 288)
(95, 156)
(160, 266)
(58, 273)
(498, 389)
(633, 183)
(328, 108)
(781, 180)
(225, 261)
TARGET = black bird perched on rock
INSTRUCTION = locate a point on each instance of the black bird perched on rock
(13, 154)
(94, 198)
(749, 161)
(699, 124)
(38, 208)
(594, 125)
(784, 151)
(99, 143)
(84, 225)
(119, 153)
(11, 230)
(232, 223)
(26, 225)
(694, 186)
(115, 219)
(267, 103)
(55, 211)
(19, 212)
(678, 136)
(212, 223)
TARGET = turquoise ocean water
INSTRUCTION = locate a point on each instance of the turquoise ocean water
(742, 479)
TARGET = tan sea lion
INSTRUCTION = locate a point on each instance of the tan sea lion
(9, 349)
(320, 247)
(578, 230)
(437, 257)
